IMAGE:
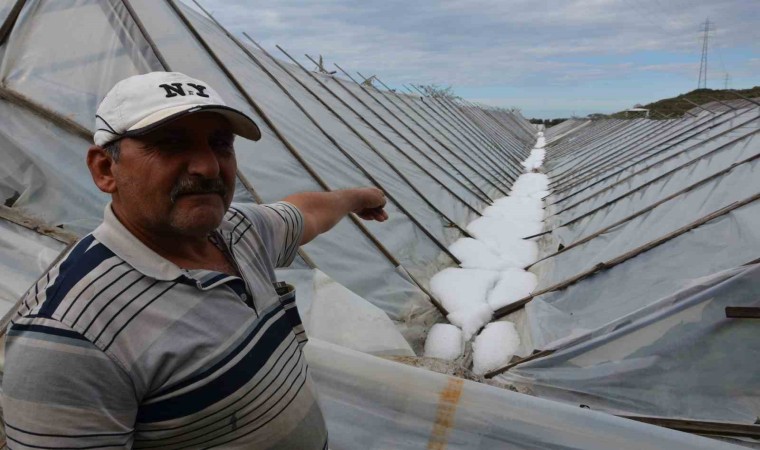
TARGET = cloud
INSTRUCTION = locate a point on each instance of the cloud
(481, 43)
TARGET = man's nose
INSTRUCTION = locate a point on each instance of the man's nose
(203, 161)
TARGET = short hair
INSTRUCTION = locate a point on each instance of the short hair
(112, 149)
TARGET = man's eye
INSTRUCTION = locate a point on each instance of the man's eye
(224, 145)
(170, 142)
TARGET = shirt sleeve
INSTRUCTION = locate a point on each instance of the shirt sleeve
(280, 226)
(61, 391)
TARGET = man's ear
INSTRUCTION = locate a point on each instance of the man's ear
(101, 169)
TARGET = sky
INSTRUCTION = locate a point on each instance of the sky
(552, 58)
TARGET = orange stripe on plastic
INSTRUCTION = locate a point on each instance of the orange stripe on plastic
(447, 408)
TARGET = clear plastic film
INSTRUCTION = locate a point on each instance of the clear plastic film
(679, 357)
(372, 403)
(65, 56)
(24, 256)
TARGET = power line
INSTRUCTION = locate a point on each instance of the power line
(706, 28)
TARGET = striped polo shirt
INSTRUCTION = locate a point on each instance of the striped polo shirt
(117, 347)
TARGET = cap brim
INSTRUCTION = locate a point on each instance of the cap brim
(242, 125)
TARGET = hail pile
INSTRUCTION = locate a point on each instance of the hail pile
(491, 273)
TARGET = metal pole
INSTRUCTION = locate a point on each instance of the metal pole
(661, 114)
(466, 116)
(470, 134)
(389, 141)
(146, 35)
(477, 194)
(438, 129)
(488, 122)
(396, 147)
(491, 146)
(356, 163)
(474, 149)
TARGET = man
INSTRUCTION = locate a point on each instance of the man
(162, 328)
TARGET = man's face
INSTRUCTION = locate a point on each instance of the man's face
(178, 179)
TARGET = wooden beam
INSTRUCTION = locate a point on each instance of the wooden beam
(10, 20)
(504, 310)
(743, 312)
(46, 113)
(535, 355)
(14, 215)
(701, 426)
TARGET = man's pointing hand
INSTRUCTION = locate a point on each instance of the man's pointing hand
(371, 202)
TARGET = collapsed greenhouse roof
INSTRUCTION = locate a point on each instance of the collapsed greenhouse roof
(651, 232)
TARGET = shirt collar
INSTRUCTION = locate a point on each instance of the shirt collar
(114, 235)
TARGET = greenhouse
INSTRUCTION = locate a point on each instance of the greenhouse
(593, 285)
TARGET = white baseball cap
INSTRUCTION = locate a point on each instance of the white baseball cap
(142, 103)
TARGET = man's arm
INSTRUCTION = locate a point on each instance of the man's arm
(322, 210)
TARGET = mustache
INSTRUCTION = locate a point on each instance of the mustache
(197, 185)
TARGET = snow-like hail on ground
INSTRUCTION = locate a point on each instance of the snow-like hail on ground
(492, 272)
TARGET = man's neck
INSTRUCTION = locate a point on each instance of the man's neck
(186, 251)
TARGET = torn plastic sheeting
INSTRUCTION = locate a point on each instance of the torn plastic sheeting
(372, 403)
(679, 357)
(334, 314)
(725, 242)
(659, 190)
(37, 62)
(653, 163)
(24, 255)
(46, 166)
(699, 166)
(667, 218)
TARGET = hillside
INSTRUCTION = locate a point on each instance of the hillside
(677, 106)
